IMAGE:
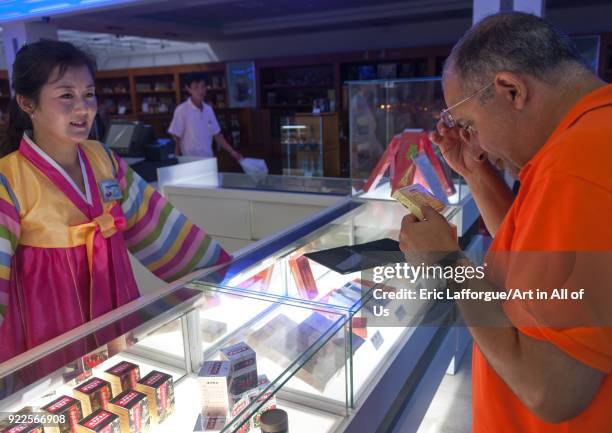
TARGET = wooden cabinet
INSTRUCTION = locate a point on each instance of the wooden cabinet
(296, 87)
(115, 96)
(150, 95)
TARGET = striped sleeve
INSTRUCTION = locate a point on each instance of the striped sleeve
(10, 230)
(162, 238)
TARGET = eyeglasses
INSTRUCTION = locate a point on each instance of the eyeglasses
(447, 117)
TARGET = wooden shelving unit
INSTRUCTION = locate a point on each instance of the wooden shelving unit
(285, 86)
(296, 86)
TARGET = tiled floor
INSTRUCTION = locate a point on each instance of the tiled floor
(451, 408)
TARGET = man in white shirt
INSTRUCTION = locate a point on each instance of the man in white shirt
(194, 124)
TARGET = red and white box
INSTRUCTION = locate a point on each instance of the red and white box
(93, 395)
(159, 389)
(101, 421)
(132, 408)
(122, 376)
(23, 428)
(71, 410)
(249, 397)
(213, 423)
(243, 367)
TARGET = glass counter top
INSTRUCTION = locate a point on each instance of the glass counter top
(278, 183)
(289, 274)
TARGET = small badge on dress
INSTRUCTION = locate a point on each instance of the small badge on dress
(110, 190)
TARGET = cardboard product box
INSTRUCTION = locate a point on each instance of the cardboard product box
(23, 428)
(122, 376)
(215, 378)
(302, 273)
(212, 329)
(7, 423)
(93, 395)
(70, 408)
(159, 389)
(243, 369)
(132, 408)
(242, 403)
(250, 396)
(263, 383)
(213, 423)
(100, 421)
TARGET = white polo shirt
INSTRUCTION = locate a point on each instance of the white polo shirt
(195, 127)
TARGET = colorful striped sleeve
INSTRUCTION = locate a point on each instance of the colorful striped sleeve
(10, 230)
(162, 238)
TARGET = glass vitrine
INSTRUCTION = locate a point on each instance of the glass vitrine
(290, 275)
(179, 335)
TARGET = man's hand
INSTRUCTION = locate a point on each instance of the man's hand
(177, 145)
(221, 141)
(459, 149)
(236, 155)
(428, 240)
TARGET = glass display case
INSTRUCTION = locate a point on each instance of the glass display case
(271, 329)
(296, 184)
(182, 335)
(390, 122)
(380, 109)
(310, 145)
(289, 275)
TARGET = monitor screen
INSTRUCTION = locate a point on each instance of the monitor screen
(119, 135)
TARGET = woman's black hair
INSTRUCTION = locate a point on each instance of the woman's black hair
(32, 69)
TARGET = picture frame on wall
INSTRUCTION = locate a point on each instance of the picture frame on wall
(242, 87)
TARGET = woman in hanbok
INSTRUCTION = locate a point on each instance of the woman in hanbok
(70, 209)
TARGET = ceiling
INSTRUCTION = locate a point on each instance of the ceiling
(220, 20)
(128, 27)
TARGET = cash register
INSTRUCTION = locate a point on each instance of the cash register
(129, 139)
(136, 141)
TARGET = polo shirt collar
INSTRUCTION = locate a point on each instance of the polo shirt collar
(192, 105)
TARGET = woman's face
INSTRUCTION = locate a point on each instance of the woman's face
(66, 107)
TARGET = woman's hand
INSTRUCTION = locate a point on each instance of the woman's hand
(459, 148)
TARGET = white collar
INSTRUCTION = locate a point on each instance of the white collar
(195, 107)
(87, 196)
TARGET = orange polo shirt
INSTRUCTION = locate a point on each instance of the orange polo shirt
(564, 204)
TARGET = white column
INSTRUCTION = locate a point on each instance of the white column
(16, 34)
(483, 8)
(535, 7)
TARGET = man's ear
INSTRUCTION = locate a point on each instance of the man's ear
(511, 87)
(26, 104)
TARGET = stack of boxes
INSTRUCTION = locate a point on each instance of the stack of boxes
(230, 385)
(136, 403)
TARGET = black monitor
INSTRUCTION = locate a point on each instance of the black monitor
(129, 138)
